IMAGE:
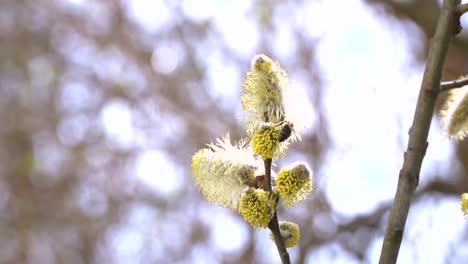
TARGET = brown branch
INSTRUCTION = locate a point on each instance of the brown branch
(409, 174)
(445, 86)
(461, 9)
(273, 225)
(267, 163)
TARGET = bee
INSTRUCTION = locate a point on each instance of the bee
(286, 131)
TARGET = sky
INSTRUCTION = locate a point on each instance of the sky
(371, 86)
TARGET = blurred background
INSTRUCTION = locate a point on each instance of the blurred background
(103, 103)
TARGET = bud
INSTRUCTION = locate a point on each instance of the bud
(289, 232)
(293, 183)
(257, 206)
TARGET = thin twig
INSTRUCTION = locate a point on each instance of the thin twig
(273, 225)
(409, 174)
(444, 86)
(267, 163)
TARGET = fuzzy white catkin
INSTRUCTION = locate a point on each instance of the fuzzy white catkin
(223, 171)
(454, 113)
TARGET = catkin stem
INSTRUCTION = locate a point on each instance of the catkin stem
(273, 225)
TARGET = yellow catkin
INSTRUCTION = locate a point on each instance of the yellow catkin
(294, 183)
(464, 204)
(257, 207)
(265, 141)
(289, 232)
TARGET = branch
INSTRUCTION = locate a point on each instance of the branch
(461, 9)
(273, 225)
(409, 174)
(458, 11)
(445, 86)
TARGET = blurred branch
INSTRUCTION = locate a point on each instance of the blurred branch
(371, 221)
(444, 86)
(461, 9)
(273, 225)
(417, 144)
(422, 12)
(458, 12)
